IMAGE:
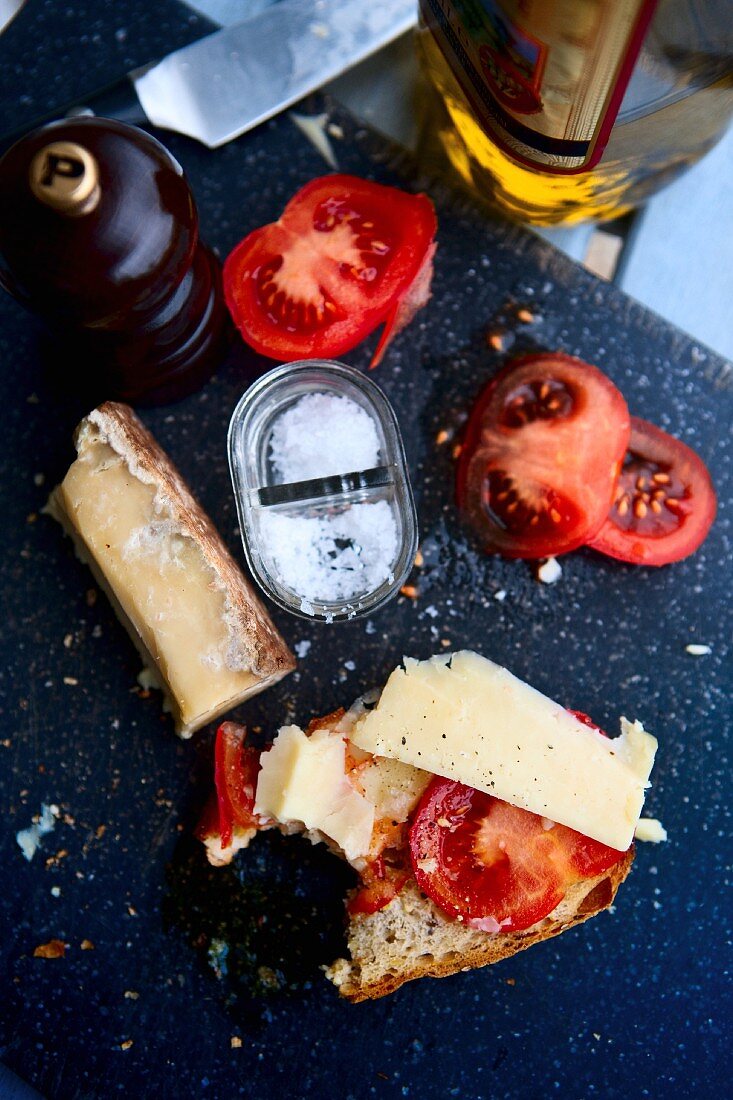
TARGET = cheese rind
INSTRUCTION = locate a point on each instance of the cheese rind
(170, 578)
(302, 780)
(463, 717)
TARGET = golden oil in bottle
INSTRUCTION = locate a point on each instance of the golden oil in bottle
(566, 110)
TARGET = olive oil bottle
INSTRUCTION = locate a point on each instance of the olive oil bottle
(566, 110)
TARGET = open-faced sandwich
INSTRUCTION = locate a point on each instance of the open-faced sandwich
(480, 816)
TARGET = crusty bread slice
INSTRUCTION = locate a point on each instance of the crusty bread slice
(166, 570)
(411, 938)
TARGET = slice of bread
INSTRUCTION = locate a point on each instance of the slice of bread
(195, 619)
(411, 938)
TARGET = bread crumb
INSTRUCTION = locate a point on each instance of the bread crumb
(53, 949)
(131, 995)
(235, 1042)
(86, 945)
(126, 1044)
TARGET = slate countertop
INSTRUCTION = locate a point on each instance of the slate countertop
(181, 981)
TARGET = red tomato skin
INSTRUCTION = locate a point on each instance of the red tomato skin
(649, 540)
(492, 865)
(380, 884)
(358, 306)
(236, 767)
(568, 464)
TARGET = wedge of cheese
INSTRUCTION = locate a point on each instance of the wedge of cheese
(194, 618)
(463, 717)
(302, 781)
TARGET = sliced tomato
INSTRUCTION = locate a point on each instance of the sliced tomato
(346, 256)
(582, 717)
(541, 456)
(236, 767)
(492, 865)
(381, 881)
(664, 503)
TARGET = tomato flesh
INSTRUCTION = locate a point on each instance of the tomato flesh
(541, 455)
(381, 881)
(664, 504)
(346, 256)
(236, 767)
(492, 865)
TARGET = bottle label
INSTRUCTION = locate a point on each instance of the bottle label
(545, 78)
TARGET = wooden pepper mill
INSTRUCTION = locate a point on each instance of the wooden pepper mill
(99, 235)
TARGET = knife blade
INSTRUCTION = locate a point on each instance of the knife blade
(230, 81)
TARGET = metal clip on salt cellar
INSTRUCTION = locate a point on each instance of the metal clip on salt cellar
(99, 235)
(324, 500)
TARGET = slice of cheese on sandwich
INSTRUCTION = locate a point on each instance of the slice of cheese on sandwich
(463, 717)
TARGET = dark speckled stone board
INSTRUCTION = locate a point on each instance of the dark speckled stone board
(636, 1003)
(56, 54)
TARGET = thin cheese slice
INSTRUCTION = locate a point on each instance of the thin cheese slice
(463, 717)
(193, 616)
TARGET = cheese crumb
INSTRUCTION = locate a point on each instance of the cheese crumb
(29, 839)
(650, 830)
(698, 650)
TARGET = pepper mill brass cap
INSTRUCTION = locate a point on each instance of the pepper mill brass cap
(65, 176)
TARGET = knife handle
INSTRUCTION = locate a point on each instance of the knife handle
(117, 101)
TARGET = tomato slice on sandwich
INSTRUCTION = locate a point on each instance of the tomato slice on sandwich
(664, 504)
(494, 866)
(345, 256)
(236, 766)
(541, 454)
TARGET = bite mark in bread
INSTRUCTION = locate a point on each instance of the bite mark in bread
(411, 937)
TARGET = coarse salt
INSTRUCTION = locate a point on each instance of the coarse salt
(330, 557)
(550, 571)
(337, 553)
(322, 434)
